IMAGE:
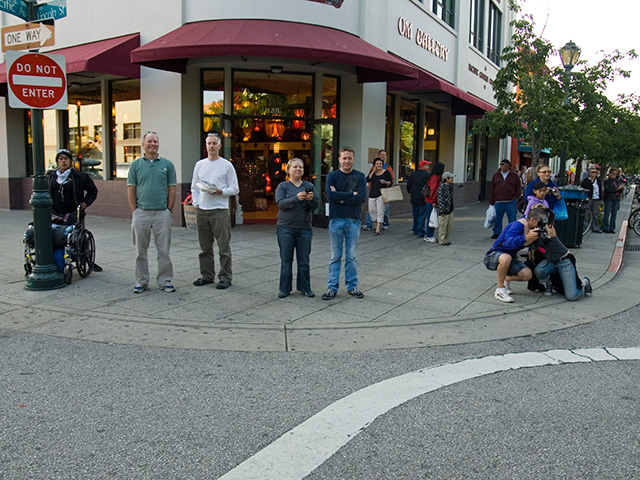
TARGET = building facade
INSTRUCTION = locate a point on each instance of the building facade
(277, 80)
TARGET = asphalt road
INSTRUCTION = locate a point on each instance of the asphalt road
(76, 410)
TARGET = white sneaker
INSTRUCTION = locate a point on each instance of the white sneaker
(507, 288)
(430, 240)
(502, 295)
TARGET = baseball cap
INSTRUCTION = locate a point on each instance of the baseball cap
(446, 175)
(423, 163)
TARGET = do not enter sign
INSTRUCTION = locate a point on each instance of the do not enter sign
(36, 80)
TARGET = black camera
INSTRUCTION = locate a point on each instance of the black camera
(542, 230)
(308, 190)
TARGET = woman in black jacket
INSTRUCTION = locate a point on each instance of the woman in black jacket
(70, 188)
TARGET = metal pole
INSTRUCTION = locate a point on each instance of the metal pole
(45, 274)
(562, 178)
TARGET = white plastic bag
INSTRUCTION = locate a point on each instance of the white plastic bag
(490, 218)
(433, 219)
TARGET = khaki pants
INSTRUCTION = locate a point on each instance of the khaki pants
(214, 225)
(445, 226)
(144, 222)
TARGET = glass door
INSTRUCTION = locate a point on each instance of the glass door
(324, 157)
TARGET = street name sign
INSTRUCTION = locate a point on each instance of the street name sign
(36, 80)
(19, 8)
(55, 9)
(27, 36)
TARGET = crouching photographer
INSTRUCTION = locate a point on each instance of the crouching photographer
(555, 265)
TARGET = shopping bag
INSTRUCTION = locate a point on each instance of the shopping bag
(490, 217)
(560, 210)
(391, 194)
(433, 219)
(189, 216)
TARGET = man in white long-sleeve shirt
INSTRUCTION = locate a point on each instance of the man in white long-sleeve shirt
(214, 181)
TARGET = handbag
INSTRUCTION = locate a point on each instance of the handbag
(426, 190)
(391, 194)
(560, 210)
(433, 219)
(189, 216)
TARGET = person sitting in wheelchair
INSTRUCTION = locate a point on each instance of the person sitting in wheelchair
(69, 189)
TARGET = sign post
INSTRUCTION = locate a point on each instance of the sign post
(37, 81)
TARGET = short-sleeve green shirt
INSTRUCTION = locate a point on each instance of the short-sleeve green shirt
(152, 179)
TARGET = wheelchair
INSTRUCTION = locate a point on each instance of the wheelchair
(73, 248)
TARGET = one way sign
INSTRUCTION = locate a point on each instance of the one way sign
(27, 36)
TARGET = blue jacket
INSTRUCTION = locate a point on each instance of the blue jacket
(511, 240)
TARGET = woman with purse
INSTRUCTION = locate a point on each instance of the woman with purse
(296, 200)
(379, 178)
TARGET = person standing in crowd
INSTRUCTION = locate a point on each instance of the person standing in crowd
(505, 190)
(415, 184)
(437, 169)
(368, 222)
(544, 175)
(613, 188)
(69, 189)
(296, 200)
(151, 192)
(346, 190)
(503, 254)
(378, 178)
(445, 208)
(592, 184)
(214, 181)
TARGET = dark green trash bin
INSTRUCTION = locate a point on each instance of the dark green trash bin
(570, 231)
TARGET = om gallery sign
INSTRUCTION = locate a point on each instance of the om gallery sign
(430, 44)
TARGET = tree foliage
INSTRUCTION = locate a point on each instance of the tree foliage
(549, 108)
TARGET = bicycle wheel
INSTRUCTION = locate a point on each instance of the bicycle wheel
(636, 226)
(588, 219)
(86, 253)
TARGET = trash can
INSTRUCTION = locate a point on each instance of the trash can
(570, 231)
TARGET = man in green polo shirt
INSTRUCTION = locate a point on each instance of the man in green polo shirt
(151, 191)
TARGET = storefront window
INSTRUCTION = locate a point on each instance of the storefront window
(127, 136)
(212, 100)
(329, 97)
(471, 157)
(431, 134)
(85, 127)
(272, 94)
(408, 138)
(50, 138)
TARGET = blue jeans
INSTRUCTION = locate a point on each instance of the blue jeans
(419, 217)
(567, 273)
(345, 230)
(610, 213)
(430, 230)
(510, 209)
(385, 223)
(298, 239)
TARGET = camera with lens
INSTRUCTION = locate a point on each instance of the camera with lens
(542, 227)
(308, 190)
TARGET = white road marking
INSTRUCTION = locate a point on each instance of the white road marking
(304, 448)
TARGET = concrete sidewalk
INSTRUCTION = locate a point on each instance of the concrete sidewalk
(416, 294)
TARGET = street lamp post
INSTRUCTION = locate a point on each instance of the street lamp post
(569, 54)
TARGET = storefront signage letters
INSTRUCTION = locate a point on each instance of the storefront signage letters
(424, 40)
(27, 36)
(480, 74)
(36, 80)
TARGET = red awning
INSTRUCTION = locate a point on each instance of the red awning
(270, 38)
(462, 103)
(110, 56)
